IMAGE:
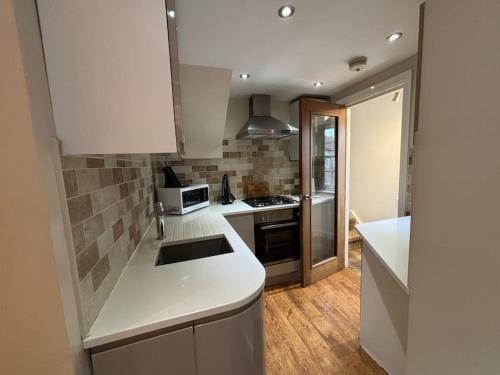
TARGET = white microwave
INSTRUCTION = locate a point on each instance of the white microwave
(182, 200)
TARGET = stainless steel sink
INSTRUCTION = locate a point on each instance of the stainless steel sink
(195, 249)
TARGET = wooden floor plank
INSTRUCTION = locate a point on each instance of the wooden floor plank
(315, 330)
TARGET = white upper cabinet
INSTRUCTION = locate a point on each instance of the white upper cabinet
(108, 65)
(205, 96)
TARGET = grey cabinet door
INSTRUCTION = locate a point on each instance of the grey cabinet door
(168, 354)
(234, 345)
(244, 226)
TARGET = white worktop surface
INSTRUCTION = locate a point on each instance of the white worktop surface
(147, 298)
(390, 242)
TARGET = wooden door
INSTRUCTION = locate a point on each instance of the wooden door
(322, 185)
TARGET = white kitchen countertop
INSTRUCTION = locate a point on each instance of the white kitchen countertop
(148, 298)
(390, 242)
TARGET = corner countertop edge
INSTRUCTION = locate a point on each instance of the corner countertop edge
(389, 241)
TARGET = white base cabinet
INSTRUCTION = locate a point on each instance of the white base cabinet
(232, 346)
(229, 345)
(384, 315)
(171, 353)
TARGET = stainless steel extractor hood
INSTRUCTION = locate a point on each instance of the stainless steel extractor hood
(261, 124)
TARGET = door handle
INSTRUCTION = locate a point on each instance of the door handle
(276, 226)
(305, 197)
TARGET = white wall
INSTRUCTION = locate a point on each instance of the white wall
(408, 64)
(237, 114)
(454, 275)
(39, 110)
(39, 332)
(375, 152)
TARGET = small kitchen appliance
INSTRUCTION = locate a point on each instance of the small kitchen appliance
(181, 200)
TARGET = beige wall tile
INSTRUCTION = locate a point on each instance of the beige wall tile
(93, 228)
(94, 163)
(80, 208)
(100, 271)
(110, 215)
(70, 184)
(87, 259)
(78, 238)
(105, 241)
(73, 162)
(117, 229)
(103, 198)
(99, 217)
(87, 179)
(105, 177)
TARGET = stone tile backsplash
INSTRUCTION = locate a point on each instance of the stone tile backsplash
(110, 203)
(243, 160)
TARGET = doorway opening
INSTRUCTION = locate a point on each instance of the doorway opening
(378, 139)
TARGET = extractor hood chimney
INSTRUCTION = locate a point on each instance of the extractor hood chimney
(261, 124)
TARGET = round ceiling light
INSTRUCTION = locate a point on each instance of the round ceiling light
(171, 13)
(394, 36)
(318, 84)
(244, 75)
(358, 63)
(286, 11)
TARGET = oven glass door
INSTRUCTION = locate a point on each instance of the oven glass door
(193, 197)
(278, 241)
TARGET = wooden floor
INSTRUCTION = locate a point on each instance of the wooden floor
(315, 330)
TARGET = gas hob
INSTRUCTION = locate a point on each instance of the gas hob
(276, 200)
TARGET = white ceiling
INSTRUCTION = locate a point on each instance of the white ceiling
(286, 56)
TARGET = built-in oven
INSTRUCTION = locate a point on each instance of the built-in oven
(277, 236)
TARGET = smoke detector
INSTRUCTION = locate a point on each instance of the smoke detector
(358, 63)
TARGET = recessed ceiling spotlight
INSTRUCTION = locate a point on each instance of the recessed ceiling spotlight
(394, 36)
(286, 11)
(171, 13)
(372, 87)
(318, 84)
(244, 75)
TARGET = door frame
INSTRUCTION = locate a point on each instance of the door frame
(405, 81)
(312, 273)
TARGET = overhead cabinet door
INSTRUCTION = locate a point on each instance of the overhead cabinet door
(109, 75)
(171, 353)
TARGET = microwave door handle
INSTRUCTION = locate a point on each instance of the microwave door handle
(276, 226)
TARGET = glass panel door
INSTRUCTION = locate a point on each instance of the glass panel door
(322, 188)
(323, 185)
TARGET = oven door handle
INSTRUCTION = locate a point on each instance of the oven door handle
(276, 226)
